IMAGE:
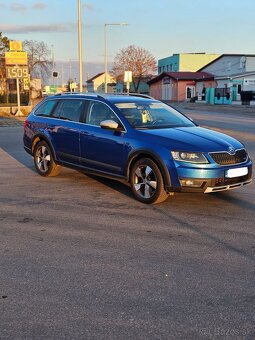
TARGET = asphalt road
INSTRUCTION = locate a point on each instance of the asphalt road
(81, 259)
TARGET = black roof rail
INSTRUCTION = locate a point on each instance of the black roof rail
(126, 94)
(104, 95)
(142, 95)
(77, 93)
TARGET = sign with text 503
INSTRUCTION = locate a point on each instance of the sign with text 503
(16, 72)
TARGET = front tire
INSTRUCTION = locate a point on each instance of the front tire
(44, 160)
(147, 182)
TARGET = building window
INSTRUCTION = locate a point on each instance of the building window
(229, 66)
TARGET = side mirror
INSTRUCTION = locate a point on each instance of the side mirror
(109, 124)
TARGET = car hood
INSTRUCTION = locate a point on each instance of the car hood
(193, 139)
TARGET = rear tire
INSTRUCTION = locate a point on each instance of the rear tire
(44, 160)
(147, 182)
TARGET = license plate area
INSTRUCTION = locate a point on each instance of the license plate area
(237, 172)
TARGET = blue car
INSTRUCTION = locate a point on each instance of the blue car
(145, 142)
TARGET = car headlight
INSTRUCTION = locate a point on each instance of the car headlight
(191, 157)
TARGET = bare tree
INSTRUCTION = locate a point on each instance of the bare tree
(135, 59)
(39, 59)
(4, 43)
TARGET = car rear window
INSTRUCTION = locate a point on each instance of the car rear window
(46, 108)
(69, 109)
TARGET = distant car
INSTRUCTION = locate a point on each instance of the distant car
(155, 148)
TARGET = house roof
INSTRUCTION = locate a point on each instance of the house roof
(226, 55)
(236, 75)
(93, 78)
(183, 76)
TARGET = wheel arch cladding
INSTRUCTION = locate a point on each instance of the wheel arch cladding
(134, 157)
(40, 138)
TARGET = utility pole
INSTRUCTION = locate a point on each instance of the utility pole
(80, 44)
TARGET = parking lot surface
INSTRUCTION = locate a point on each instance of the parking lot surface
(81, 259)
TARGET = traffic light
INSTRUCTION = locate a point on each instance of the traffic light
(55, 74)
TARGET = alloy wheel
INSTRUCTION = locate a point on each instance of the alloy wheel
(145, 181)
(43, 159)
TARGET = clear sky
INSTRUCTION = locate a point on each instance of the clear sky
(163, 27)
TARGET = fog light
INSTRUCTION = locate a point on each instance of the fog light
(191, 183)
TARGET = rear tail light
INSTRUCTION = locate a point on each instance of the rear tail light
(25, 123)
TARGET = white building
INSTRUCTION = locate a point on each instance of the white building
(233, 71)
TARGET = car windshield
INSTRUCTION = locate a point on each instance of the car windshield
(152, 115)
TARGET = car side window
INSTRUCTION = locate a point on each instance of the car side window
(97, 112)
(69, 109)
(46, 108)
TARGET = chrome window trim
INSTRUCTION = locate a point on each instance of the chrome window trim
(99, 101)
(40, 104)
(83, 123)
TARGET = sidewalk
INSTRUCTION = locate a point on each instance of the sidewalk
(8, 119)
(5, 111)
(12, 121)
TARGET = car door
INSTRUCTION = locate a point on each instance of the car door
(101, 149)
(65, 132)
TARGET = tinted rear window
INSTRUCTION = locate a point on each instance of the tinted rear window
(69, 109)
(46, 108)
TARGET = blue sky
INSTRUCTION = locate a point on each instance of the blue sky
(163, 27)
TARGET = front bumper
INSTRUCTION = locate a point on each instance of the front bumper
(226, 187)
(209, 179)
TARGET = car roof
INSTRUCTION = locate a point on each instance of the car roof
(127, 98)
(113, 98)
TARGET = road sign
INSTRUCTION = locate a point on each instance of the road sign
(15, 58)
(73, 86)
(53, 88)
(128, 79)
(127, 76)
(26, 83)
(16, 72)
(15, 45)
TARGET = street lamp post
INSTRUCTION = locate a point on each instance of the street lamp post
(105, 51)
(80, 43)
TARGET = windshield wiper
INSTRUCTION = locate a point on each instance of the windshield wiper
(141, 127)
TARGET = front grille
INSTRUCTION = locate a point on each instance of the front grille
(224, 158)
